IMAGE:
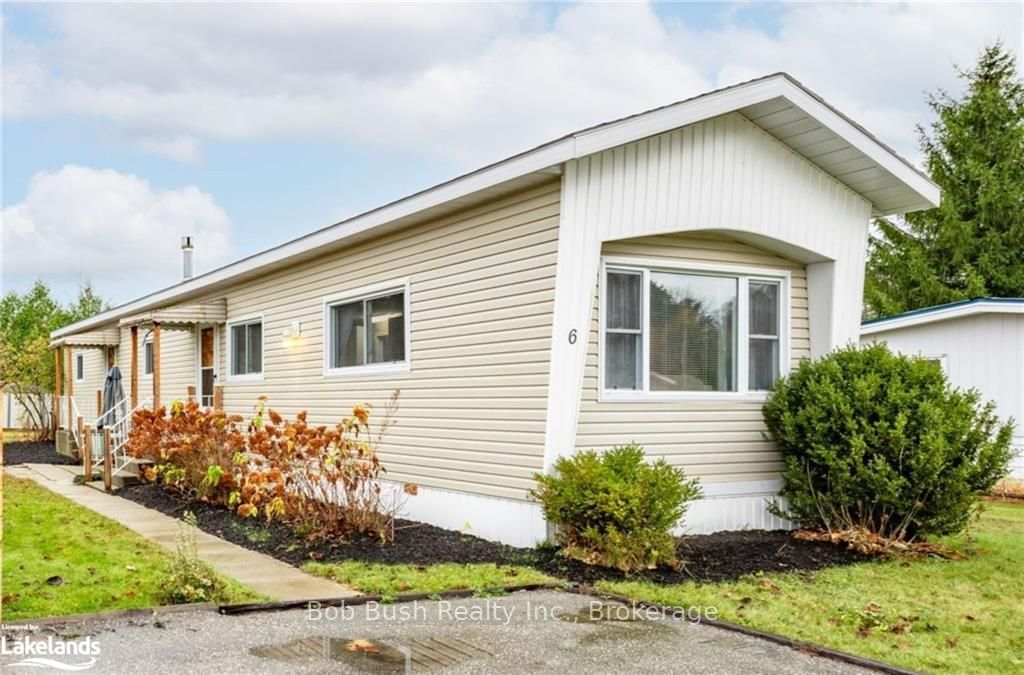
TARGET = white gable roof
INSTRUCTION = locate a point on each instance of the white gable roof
(777, 103)
(936, 313)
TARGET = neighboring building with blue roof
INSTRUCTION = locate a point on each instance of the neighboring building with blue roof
(978, 342)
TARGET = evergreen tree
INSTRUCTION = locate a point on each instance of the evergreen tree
(972, 245)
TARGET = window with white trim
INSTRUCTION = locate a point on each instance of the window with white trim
(668, 331)
(245, 348)
(367, 331)
(79, 367)
(147, 367)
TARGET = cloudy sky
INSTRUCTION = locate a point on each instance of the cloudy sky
(245, 125)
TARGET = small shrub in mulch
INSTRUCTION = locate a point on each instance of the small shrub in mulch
(707, 557)
(616, 508)
(34, 452)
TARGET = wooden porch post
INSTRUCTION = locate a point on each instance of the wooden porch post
(135, 367)
(58, 390)
(81, 430)
(71, 388)
(87, 454)
(108, 468)
(99, 403)
(156, 365)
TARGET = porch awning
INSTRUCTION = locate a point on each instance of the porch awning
(106, 337)
(213, 311)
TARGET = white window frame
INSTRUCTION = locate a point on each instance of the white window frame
(744, 274)
(147, 364)
(80, 359)
(943, 360)
(363, 294)
(244, 321)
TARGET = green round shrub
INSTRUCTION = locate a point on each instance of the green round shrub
(882, 441)
(615, 509)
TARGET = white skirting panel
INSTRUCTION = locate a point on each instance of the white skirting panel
(510, 521)
(719, 514)
(734, 506)
(726, 506)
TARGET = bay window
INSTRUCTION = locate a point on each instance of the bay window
(685, 333)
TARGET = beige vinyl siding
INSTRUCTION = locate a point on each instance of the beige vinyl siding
(125, 363)
(472, 407)
(177, 362)
(95, 362)
(715, 441)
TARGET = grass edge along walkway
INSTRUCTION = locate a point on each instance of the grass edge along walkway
(62, 559)
(261, 573)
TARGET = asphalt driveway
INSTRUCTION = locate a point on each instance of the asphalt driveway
(537, 632)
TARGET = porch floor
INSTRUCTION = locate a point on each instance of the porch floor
(259, 572)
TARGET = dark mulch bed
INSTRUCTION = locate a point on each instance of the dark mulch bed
(27, 452)
(722, 556)
(708, 557)
(415, 543)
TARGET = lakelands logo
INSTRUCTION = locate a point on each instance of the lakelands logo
(39, 653)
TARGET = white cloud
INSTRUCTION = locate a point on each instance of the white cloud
(473, 82)
(184, 149)
(81, 224)
(467, 81)
(873, 61)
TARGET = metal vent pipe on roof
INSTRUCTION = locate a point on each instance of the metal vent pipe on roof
(186, 258)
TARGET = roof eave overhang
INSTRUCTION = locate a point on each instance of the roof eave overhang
(545, 159)
(88, 339)
(943, 314)
(213, 311)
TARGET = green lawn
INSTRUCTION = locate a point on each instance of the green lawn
(931, 615)
(103, 565)
(15, 435)
(383, 579)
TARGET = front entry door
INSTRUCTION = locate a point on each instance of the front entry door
(207, 366)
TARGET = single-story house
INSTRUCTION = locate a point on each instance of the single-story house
(979, 343)
(642, 280)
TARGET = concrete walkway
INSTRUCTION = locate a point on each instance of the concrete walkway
(260, 572)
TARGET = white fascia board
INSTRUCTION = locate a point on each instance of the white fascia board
(679, 115)
(862, 141)
(896, 323)
(720, 103)
(539, 159)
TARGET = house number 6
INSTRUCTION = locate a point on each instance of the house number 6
(572, 336)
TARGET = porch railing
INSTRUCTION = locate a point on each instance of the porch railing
(71, 425)
(119, 432)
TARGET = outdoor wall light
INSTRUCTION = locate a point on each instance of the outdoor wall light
(291, 334)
